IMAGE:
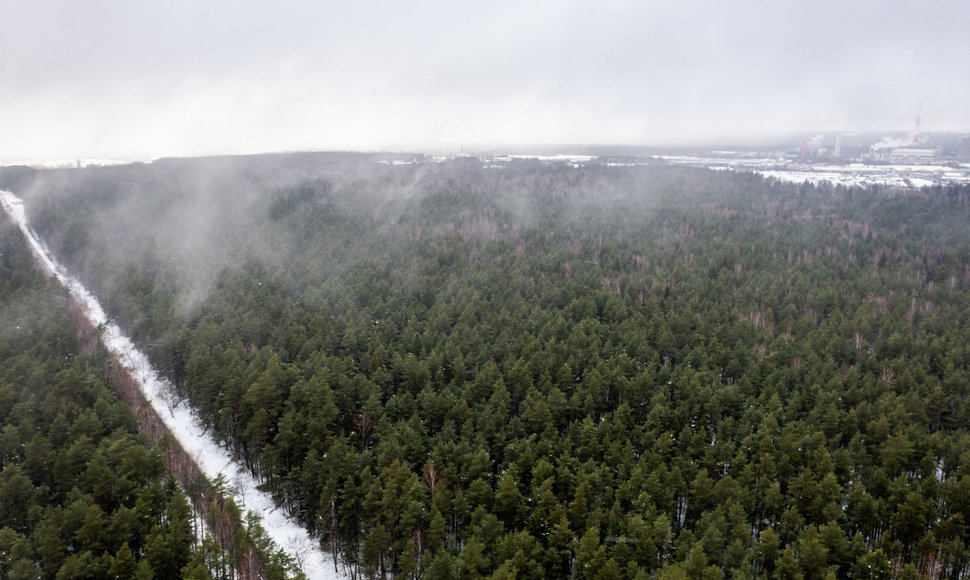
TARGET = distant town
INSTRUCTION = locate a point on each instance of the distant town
(898, 160)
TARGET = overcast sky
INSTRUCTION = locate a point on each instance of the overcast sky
(144, 79)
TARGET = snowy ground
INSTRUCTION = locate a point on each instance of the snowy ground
(851, 174)
(178, 418)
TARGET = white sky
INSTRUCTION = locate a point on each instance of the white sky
(128, 78)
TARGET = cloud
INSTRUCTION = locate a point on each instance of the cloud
(116, 77)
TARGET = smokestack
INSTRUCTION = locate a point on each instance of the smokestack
(919, 109)
(804, 147)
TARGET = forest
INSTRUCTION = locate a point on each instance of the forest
(81, 495)
(527, 370)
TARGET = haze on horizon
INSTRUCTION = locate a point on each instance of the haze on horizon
(118, 78)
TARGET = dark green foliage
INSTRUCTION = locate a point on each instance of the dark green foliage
(80, 494)
(537, 370)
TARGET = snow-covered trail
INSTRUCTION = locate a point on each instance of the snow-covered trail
(212, 459)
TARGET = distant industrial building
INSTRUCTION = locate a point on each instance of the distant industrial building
(915, 154)
(963, 152)
(903, 151)
(884, 148)
(813, 147)
(916, 150)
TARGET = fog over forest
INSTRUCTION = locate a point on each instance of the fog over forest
(623, 290)
(470, 368)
